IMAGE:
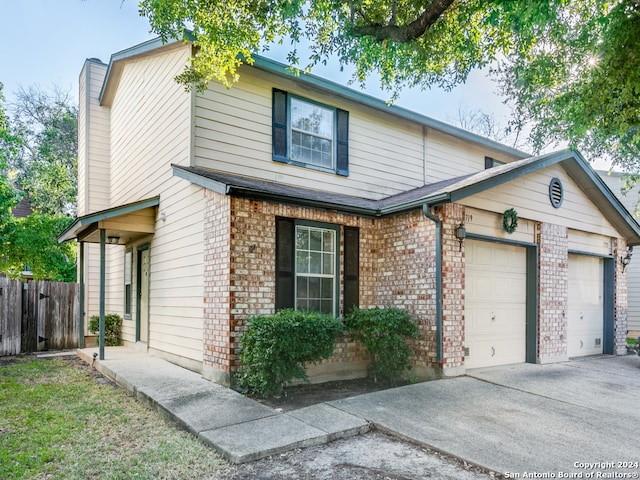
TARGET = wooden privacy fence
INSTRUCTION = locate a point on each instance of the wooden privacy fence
(37, 316)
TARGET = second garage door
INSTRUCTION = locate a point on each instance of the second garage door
(585, 325)
(495, 304)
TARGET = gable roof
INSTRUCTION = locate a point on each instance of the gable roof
(448, 191)
(150, 47)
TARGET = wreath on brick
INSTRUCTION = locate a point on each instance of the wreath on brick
(510, 220)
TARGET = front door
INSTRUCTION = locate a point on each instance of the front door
(142, 323)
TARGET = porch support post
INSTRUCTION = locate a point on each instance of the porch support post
(102, 289)
(81, 297)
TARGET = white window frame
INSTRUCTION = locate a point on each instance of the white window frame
(335, 232)
(292, 130)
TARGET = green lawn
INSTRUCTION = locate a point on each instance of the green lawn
(61, 421)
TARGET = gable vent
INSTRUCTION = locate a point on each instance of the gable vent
(556, 193)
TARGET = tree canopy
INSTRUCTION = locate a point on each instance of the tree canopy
(570, 68)
(30, 241)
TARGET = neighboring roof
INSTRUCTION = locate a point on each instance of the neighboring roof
(448, 191)
(23, 209)
(84, 228)
(114, 71)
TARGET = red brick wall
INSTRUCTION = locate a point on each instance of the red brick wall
(452, 215)
(406, 277)
(553, 291)
(217, 273)
(397, 268)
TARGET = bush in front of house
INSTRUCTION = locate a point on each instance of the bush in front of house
(112, 325)
(384, 333)
(276, 348)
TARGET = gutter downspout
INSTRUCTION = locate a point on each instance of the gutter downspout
(427, 213)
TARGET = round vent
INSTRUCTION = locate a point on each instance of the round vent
(556, 193)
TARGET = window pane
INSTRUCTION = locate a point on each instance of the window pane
(302, 287)
(327, 288)
(328, 263)
(315, 268)
(328, 237)
(315, 240)
(312, 133)
(314, 287)
(302, 237)
(302, 261)
(315, 262)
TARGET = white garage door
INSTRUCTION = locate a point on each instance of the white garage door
(585, 325)
(495, 304)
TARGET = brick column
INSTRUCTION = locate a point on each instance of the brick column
(620, 299)
(553, 292)
(216, 365)
(453, 283)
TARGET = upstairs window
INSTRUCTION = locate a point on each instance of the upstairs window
(491, 162)
(310, 134)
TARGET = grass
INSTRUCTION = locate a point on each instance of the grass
(632, 341)
(62, 421)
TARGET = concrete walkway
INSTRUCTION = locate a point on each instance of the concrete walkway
(574, 417)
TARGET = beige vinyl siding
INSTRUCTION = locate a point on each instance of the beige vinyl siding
(448, 156)
(530, 197)
(489, 224)
(151, 129)
(93, 143)
(233, 134)
(615, 181)
(589, 243)
(93, 170)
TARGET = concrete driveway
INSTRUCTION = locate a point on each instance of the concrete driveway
(578, 419)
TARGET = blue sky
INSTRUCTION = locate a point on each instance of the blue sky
(45, 42)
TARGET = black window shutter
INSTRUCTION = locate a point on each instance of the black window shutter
(279, 127)
(351, 268)
(342, 143)
(285, 274)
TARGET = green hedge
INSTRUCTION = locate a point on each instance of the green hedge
(112, 325)
(383, 332)
(276, 348)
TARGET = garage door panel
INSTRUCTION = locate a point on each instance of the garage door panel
(585, 323)
(492, 352)
(495, 304)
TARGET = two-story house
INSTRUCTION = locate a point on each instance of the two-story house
(294, 191)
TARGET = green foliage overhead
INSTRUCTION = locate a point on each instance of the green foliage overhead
(570, 68)
(44, 161)
(31, 241)
(276, 348)
(384, 333)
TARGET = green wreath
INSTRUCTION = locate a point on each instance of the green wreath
(510, 220)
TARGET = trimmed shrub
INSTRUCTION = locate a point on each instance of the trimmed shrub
(112, 325)
(383, 332)
(276, 348)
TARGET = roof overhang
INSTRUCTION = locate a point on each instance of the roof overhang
(447, 191)
(126, 223)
